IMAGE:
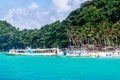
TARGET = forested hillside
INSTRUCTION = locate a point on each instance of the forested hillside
(96, 22)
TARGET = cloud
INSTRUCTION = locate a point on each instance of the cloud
(46, 12)
(61, 5)
(33, 6)
(53, 19)
(78, 2)
(33, 17)
(23, 18)
(62, 8)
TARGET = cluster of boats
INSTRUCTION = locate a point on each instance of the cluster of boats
(29, 51)
(48, 52)
(63, 52)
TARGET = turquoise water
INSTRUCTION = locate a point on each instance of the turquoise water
(58, 68)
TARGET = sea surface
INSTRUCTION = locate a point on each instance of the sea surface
(58, 68)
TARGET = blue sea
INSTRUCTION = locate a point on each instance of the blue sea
(58, 68)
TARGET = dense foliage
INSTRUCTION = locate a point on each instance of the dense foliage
(96, 22)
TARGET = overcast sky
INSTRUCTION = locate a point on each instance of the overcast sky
(31, 14)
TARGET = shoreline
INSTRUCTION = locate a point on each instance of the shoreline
(87, 55)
